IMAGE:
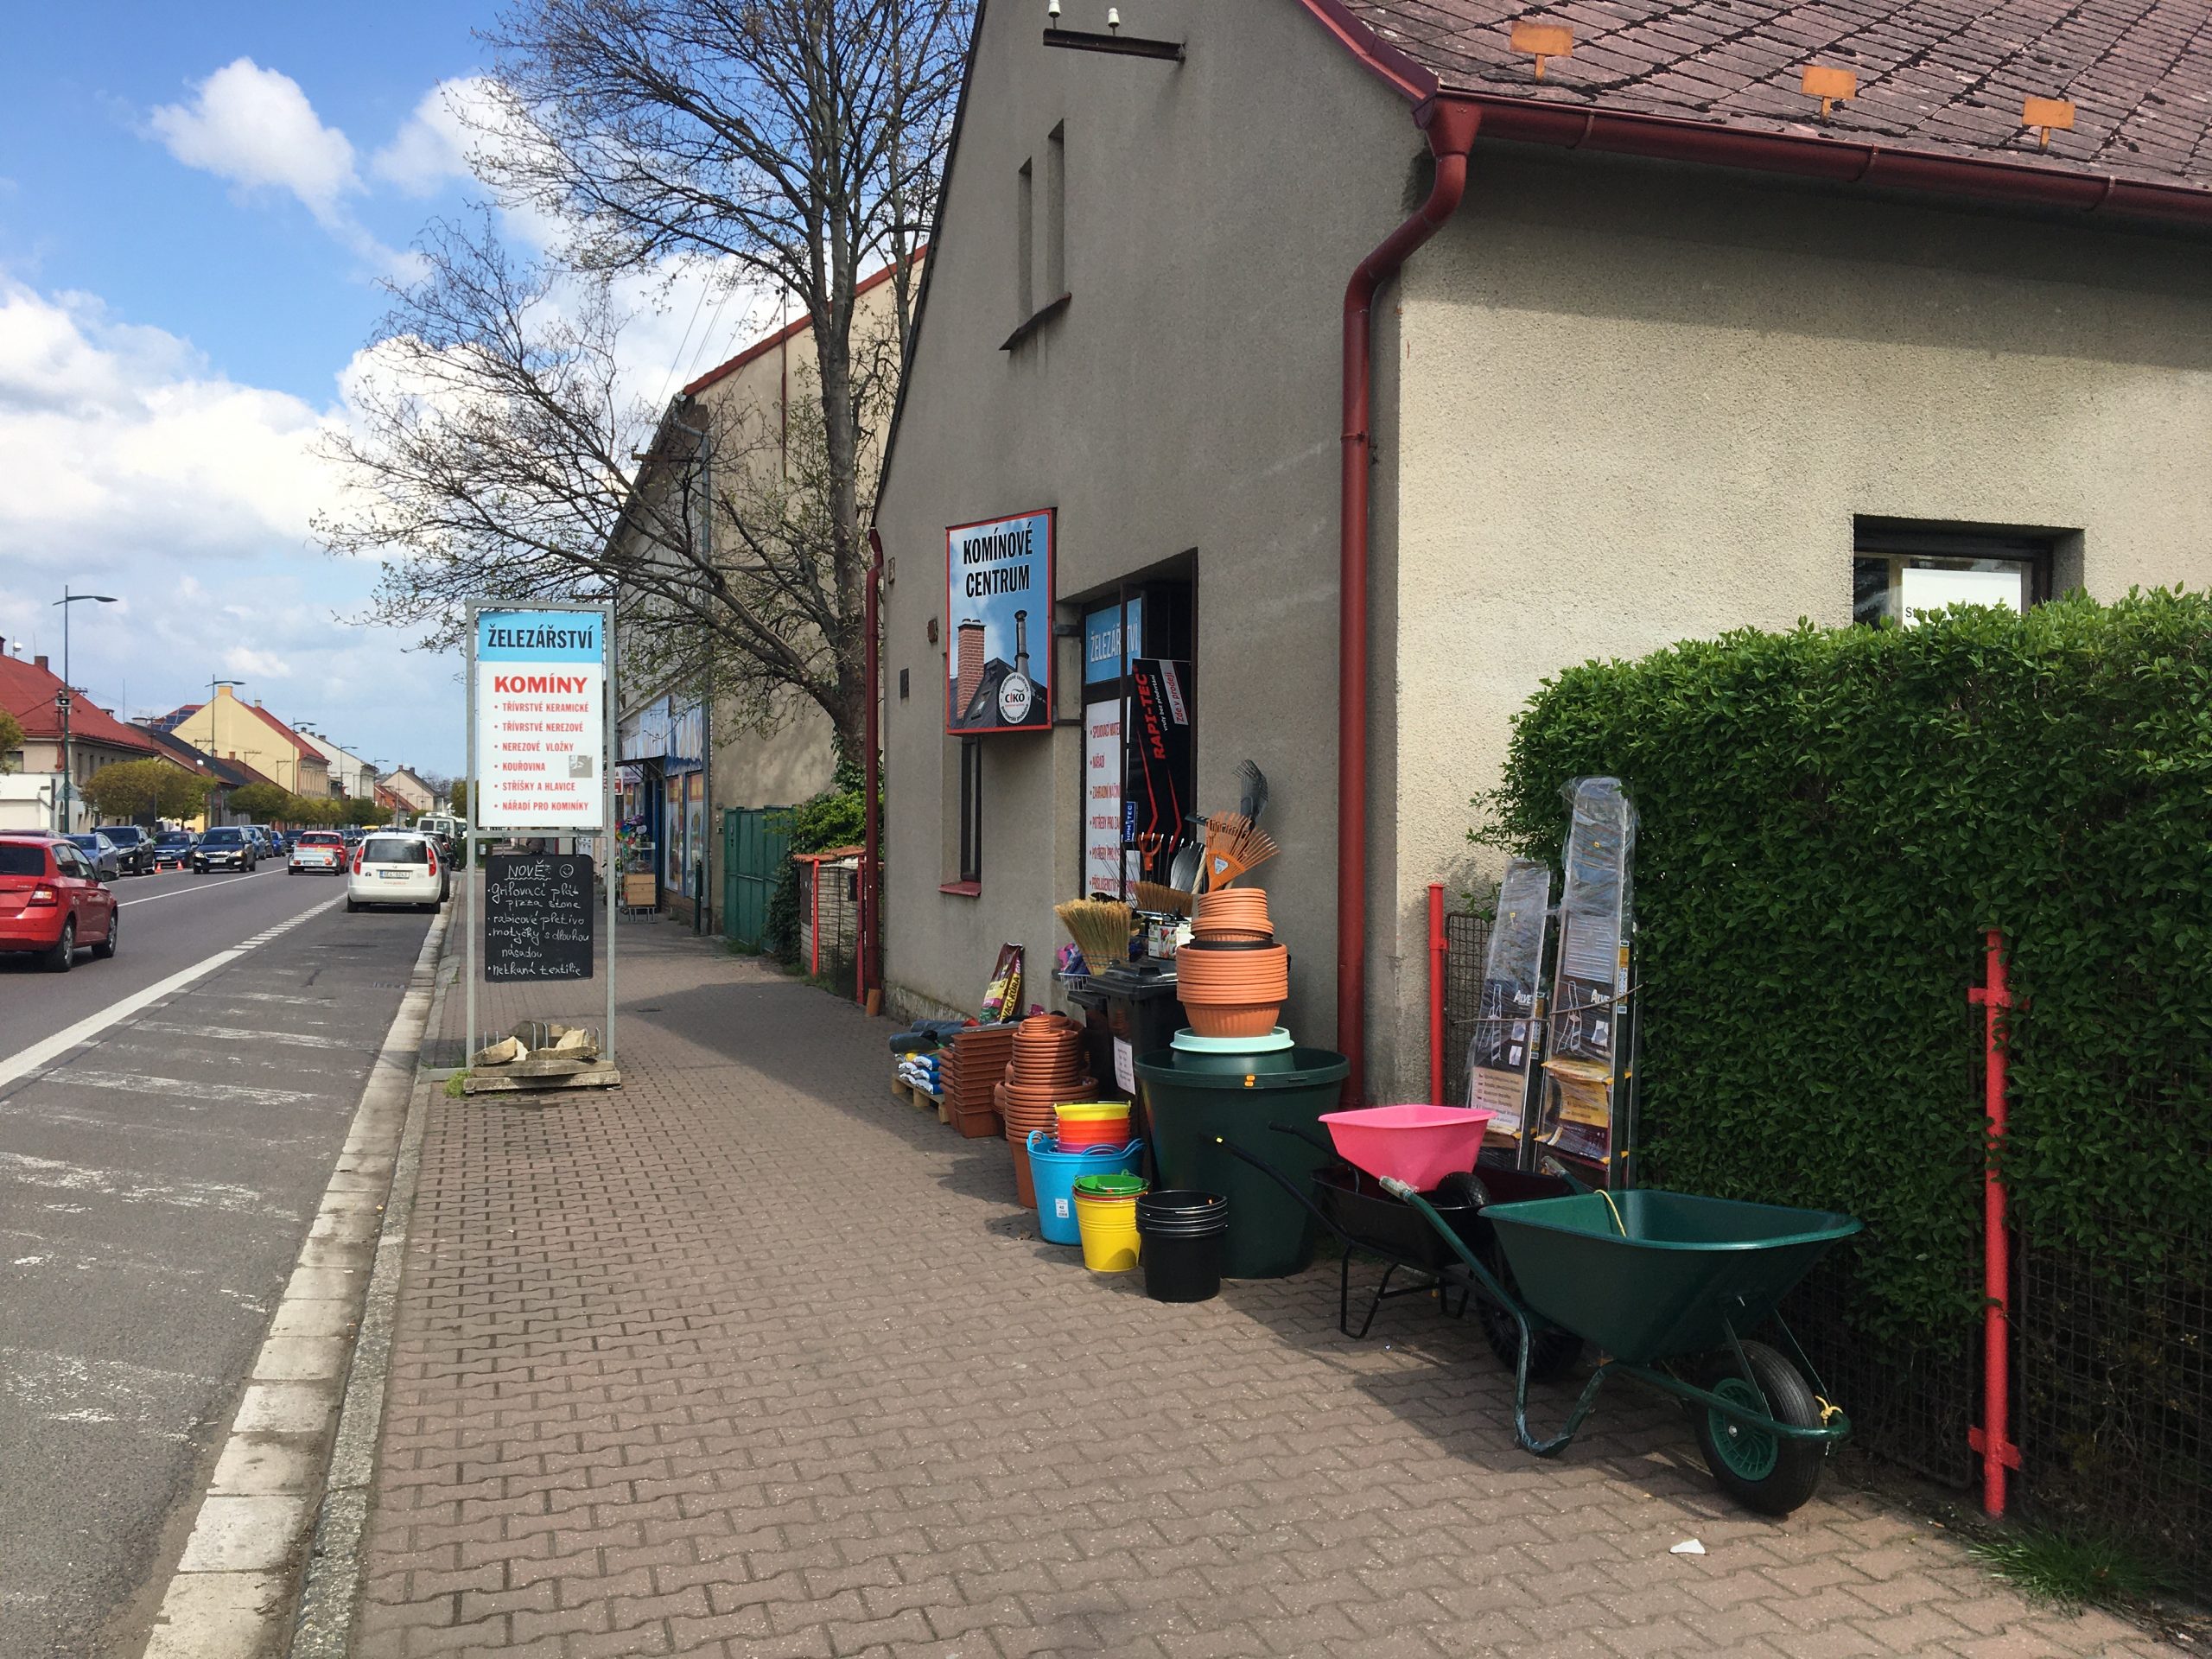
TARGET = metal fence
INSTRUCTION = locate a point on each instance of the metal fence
(829, 920)
(2112, 1370)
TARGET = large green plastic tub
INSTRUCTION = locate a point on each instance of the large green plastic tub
(1684, 1265)
(1194, 1098)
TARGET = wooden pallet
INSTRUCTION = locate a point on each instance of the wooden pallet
(920, 1099)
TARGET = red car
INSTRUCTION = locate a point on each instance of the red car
(53, 902)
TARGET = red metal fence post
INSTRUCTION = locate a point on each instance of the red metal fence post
(1994, 1437)
(1437, 968)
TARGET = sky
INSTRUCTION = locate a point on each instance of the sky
(198, 204)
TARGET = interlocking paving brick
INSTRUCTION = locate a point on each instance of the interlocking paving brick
(748, 1359)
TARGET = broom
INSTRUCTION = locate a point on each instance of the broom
(1158, 896)
(1234, 845)
(1100, 928)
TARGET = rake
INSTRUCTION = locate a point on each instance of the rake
(1234, 845)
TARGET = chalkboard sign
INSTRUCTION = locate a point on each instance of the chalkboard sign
(538, 917)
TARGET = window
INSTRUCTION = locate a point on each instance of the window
(1056, 213)
(1025, 246)
(1898, 569)
(16, 859)
(971, 808)
(395, 850)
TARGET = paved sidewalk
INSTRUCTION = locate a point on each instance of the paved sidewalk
(749, 1359)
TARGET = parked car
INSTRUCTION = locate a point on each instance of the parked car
(107, 857)
(135, 844)
(396, 866)
(227, 847)
(53, 902)
(265, 839)
(173, 849)
(323, 850)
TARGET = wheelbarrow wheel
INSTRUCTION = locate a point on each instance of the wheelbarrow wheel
(1762, 1472)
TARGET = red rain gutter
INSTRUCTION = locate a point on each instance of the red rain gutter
(871, 963)
(1451, 126)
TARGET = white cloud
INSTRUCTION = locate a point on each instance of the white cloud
(255, 128)
(250, 664)
(134, 469)
(432, 147)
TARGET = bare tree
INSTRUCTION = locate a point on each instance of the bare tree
(797, 143)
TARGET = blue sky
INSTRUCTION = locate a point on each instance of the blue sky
(196, 205)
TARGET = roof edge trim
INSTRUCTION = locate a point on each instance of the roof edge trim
(1375, 54)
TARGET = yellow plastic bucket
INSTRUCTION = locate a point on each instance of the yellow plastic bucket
(1108, 1228)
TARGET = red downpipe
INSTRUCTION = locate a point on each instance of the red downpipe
(870, 968)
(1994, 1439)
(1437, 961)
(1451, 125)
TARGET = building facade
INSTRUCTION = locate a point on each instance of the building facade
(237, 730)
(1613, 394)
(43, 786)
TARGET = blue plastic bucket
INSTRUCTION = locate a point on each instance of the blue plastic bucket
(1054, 1173)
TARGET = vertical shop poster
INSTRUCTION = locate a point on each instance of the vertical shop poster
(541, 729)
(1102, 796)
(999, 591)
(1162, 745)
(1499, 1057)
(1582, 1069)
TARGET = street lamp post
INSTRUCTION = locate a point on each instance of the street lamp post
(68, 756)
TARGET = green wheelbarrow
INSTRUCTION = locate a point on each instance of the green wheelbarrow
(1666, 1285)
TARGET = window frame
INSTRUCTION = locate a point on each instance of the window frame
(970, 868)
(1945, 546)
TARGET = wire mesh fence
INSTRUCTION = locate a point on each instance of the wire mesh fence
(1466, 941)
(2112, 1368)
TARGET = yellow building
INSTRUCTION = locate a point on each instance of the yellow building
(231, 730)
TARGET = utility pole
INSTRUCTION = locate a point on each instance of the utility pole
(69, 755)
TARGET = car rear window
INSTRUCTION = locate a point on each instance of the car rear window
(395, 850)
(15, 859)
(321, 839)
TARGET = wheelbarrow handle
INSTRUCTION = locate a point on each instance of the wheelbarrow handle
(1307, 1136)
(1287, 1184)
(1398, 1189)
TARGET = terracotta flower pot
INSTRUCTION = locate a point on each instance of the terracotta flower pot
(1218, 977)
(1232, 1018)
(1243, 908)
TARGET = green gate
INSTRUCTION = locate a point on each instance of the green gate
(756, 840)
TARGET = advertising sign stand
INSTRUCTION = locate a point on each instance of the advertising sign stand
(541, 738)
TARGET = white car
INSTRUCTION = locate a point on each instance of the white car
(396, 867)
(318, 849)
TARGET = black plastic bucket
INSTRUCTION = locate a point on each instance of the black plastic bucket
(1184, 1236)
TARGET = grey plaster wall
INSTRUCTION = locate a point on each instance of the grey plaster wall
(1637, 405)
(1188, 398)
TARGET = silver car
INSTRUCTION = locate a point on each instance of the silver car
(105, 855)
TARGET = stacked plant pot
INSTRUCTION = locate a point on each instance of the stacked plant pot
(1232, 978)
(970, 1077)
(1047, 1068)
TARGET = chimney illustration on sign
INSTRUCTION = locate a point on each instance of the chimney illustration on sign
(970, 660)
(1021, 644)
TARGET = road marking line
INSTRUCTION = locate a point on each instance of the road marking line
(200, 887)
(191, 1094)
(133, 1188)
(271, 997)
(244, 1034)
(48, 1050)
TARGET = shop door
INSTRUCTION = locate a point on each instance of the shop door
(755, 842)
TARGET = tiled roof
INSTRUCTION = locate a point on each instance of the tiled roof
(27, 691)
(1946, 76)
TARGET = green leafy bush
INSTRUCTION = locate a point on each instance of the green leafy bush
(1829, 819)
(836, 817)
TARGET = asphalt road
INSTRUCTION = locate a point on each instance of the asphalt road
(156, 1186)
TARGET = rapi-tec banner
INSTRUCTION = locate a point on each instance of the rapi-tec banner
(999, 592)
(541, 726)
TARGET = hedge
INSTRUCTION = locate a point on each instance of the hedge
(1830, 818)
